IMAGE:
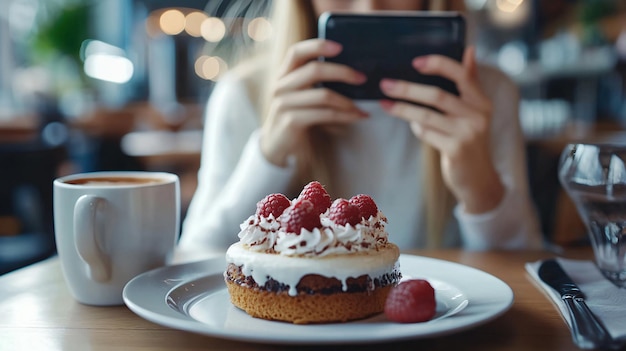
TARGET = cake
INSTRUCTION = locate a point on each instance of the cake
(308, 260)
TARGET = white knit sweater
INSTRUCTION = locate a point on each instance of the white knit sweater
(378, 156)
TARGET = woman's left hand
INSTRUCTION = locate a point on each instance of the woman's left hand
(459, 129)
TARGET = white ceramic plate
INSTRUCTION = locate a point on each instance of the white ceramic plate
(193, 297)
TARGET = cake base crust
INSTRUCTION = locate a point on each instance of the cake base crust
(308, 308)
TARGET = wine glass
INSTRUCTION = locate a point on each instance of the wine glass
(594, 177)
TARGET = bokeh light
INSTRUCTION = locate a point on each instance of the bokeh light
(508, 5)
(106, 62)
(193, 23)
(512, 58)
(172, 22)
(153, 28)
(110, 68)
(259, 29)
(509, 13)
(213, 29)
(210, 67)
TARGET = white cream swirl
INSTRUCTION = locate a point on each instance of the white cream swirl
(264, 234)
(259, 232)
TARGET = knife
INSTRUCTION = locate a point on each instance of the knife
(587, 331)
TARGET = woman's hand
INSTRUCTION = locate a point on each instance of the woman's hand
(459, 129)
(298, 104)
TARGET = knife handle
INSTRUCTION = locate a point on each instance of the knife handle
(587, 331)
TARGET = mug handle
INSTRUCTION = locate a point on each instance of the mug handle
(86, 230)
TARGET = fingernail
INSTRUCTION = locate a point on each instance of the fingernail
(387, 84)
(332, 46)
(360, 78)
(386, 104)
(419, 62)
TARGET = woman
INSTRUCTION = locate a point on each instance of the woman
(271, 128)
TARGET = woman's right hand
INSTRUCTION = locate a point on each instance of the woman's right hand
(297, 102)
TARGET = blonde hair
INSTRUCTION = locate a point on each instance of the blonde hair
(294, 21)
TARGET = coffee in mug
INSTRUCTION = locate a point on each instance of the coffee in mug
(116, 181)
(112, 226)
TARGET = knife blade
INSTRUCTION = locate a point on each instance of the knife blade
(587, 331)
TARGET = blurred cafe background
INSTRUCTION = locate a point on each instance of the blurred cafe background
(91, 85)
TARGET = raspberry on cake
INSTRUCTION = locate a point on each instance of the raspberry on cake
(342, 212)
(302, 214)
(366, 205)
(315, 192)
(273, 204)
(311, 260)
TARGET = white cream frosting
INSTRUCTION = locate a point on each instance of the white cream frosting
(290, 269)
(259, 232)
(267, 250)
(264, 234)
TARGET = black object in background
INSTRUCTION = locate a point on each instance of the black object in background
(384, 43)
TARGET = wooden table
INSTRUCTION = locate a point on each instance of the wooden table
(19, 128)
(38, 313)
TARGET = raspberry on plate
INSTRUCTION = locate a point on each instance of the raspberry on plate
(366, 205)
(411, 301)
(301, 214)
(343, 212)
(272, 204)
(315, 192)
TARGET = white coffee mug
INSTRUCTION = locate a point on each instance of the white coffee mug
(111, 226)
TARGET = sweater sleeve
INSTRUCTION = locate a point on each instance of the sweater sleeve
(513, 224)
(234, 175)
